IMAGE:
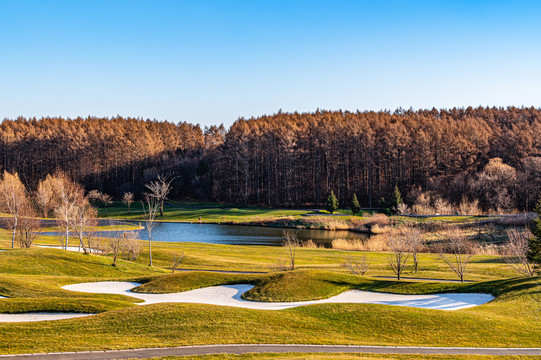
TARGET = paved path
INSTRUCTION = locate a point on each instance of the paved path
(266, 348)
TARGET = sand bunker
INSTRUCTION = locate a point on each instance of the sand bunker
(230, 295)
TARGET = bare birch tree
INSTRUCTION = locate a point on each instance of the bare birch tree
(12, 200)
(516, 250)
(128, 199)
(160, 189)
(457, 253)
(399, 254)
(151, 206)
(70, 196)
(84, 220)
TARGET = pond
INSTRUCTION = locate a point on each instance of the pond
(239, 234)
(232, 234)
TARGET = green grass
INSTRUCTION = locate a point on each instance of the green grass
(511, 320)
(58, 262)
(191, 280)
(224, 213)
(208, 212)
(32, 278)
(302, 285)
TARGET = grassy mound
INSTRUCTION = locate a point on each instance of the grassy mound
(302, 285)
(42, 261)
(53, 304)
(191, 280)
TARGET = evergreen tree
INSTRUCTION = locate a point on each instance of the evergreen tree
(355, 206)
(396, 198)
(534, 244)
(332, 203)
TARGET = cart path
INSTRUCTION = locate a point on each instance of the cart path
(270, 348)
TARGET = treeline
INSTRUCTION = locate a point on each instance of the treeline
(298, 159)
(491, 156)
(114, 155)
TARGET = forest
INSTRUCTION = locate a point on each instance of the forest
(488, 157)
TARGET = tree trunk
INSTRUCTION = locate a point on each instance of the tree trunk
(67, 236)
(150, 251)
(13, 236)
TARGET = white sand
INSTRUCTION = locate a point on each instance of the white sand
(230, 295)
(70, 248)
(39, 316)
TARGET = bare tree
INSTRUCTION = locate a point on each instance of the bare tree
(357, 267)
(415, 240)
(115, 241)
(159, 189)
(177, 260)
(399, 254)
(456, 253)
(98, 196)
(151, 205)
(12, 200)
(70, 196)
(515, 252)
(28, 227)
(127, 199)
(291, 242)
(131, 247)
(46, 195)
(84, 220)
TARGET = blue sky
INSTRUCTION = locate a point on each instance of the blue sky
(210, 62)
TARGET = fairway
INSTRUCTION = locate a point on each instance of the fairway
(32, 279)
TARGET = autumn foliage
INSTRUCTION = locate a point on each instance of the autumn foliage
(488, 157)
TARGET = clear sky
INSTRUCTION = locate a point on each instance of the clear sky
(210, 62)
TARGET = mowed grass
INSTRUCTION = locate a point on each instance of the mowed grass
(208, 212)
(199, 256)
(511, 320)
(32, 278)
(302, 285)
(224, 213)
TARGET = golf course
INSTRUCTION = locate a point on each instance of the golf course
(42, 280)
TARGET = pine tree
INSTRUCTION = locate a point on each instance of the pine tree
(534, 244)
(355, 206)
(396, 198)
(332, 203)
